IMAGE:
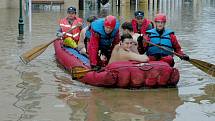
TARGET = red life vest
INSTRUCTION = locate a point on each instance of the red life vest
(65, 26)
(144, 27)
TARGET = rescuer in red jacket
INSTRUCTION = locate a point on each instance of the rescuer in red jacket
(104, 36)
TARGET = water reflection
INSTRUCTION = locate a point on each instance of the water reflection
(208, 97)
(27, 99)
(123, 105)
(200, 107)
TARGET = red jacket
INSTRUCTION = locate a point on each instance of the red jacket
(65, 26)
(145, 26)
(93, 46)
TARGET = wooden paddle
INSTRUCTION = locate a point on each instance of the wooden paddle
(202, 65)
(39, 49)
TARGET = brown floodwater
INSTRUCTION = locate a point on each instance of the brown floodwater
(42, 91)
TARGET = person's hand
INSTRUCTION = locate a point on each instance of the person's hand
(59, 35)
(95, 68)
(83, 50)
(103, 57)
(140, 46)
(79, 24)
(185, 57)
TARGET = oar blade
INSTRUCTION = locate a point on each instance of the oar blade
(204, 66)
(79, 72)
(33, 53)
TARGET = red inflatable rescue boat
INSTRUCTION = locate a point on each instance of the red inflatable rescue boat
(122, 74)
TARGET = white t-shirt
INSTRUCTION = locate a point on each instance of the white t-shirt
(134, 47)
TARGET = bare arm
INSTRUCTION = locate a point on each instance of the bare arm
(125, 55)
(81, 39)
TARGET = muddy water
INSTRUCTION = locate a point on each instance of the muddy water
(42, 91)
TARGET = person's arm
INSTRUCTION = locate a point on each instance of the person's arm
(93, 47)
(177, 48)
(116, 40)
(80, 22)
(114, 54)
(175, 44)
(81, 44)
(135, 57)
(59, 32)
(142, 46)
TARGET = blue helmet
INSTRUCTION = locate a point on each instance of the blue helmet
(139, 14)
(71, 10)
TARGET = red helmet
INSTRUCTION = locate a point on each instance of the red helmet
(160, 17)
(110, 21)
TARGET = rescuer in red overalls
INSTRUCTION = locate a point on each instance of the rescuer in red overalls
(164, 38)
(140, 24)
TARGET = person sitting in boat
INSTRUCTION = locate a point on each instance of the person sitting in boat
(85, 36)
(140, 24)
(104, 36)
(128, 29)
(71, 38)
(122, 51)
(163, 37)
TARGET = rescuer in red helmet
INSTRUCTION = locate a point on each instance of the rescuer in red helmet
(104, 36)
(163, 37)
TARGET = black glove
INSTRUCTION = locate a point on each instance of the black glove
(95, 68)
(140, 39)
(140, 47)
(185, 57)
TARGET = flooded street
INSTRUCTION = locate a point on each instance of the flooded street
(43, 91)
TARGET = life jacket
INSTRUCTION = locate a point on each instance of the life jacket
(105, 40)
(144, 27)
(65, 26)
(87, 33)
(164, 40)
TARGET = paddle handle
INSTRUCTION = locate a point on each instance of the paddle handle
(177, 54)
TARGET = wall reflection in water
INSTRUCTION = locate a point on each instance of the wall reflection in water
(28, 101)
(123, 105)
